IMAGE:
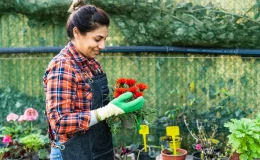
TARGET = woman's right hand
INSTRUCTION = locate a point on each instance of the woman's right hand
(120, 106)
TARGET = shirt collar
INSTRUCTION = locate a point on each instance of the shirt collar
(78, 56)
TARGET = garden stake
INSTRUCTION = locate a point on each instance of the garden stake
(144, 131)
(173, 131)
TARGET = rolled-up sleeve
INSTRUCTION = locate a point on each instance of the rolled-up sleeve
(61, 81)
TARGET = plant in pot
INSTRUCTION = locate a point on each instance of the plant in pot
(151, 153)
(206, 147)
(123, 153)
(16, 135)
(32, 145)
(133, 119)
(244, 137)
(167, 152)
(136, 152)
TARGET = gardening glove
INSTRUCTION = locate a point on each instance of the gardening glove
(119, 106)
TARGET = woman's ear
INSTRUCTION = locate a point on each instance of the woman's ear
(76, 32)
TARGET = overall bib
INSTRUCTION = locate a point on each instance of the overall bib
(96, 142)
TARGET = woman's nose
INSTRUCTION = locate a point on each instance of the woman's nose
(102, 45)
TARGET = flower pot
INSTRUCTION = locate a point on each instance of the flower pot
(17, 158)
(142, 155)
(196, 155)
(32, 156)
(166, 156)
(235, 156)
(128, 123)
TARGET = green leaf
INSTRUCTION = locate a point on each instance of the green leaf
(180, 31)
(142, 28)
(237, 113)
(254, 147)
(230, 83)
(212, 91)
(243, 80)
(243, 156)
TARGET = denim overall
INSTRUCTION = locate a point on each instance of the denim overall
(96, 142)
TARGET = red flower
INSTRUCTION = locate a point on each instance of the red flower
(133, 89)
(130, 82)
(142, 86)
(7, 139)
(120, 90)
(138, 94)
(116, 94)
(121, 81)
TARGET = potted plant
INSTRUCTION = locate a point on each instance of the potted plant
(136, 152)
(169, 155)
(123, 153)
(244, 137)
(20, 136)
(206, 146)
(151, 153)
(32, 145)
(133, 119)
(167, 152)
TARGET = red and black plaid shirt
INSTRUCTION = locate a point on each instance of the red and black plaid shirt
(68, 96)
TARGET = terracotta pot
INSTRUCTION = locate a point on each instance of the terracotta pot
(166, 156)
(235, 156)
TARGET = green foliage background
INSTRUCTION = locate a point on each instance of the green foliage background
(224, 86)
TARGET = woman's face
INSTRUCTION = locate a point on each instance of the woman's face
(92, 42)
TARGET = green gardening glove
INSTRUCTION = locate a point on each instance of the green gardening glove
(120, 106)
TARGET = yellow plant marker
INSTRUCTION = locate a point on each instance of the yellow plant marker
(173, 131)
(144, 131)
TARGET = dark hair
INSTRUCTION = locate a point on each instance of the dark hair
(86, 18)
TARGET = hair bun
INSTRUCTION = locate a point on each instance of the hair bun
(91, 9)
(76, 4)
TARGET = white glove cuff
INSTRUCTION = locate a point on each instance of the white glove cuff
(108, 111)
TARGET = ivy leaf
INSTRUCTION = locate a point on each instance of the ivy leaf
(253, 27)
(210, 35)
(204, 90)
(243, 80)
(142, 28)
(222, 36)
(190, 18)
(237, 113)
(180, 31)
(221, 83)
(212, 92)
(230, 83)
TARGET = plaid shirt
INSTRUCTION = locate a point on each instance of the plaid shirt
(68, 96)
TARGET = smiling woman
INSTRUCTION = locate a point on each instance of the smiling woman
(76, 90)
(90, 44)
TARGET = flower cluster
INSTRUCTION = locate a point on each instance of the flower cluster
(208, 147)
(129, 85)
(124, 85)
(17, 135)
(18, 124)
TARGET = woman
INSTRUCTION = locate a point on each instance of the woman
(76, 91)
